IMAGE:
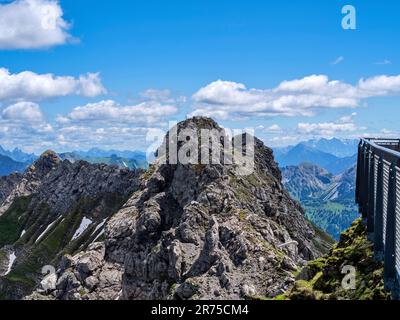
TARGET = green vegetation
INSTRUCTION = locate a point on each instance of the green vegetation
(332, 216)
(54, 244)
(322, 279)
(325, 242)
(11, 222)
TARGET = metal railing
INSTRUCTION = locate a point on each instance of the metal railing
(378, 197)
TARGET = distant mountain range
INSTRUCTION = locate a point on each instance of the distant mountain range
(17, 160)
(136, 161)
(321, 175)
(18, 155)
(99, 153)
(337, 147)
(14, 161)
(8, 166)
(336, 156)
(327, 199)
(309, 181)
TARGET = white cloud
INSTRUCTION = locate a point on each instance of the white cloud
(299, 97)
(326, 128)
(90, 85)
(23, 111)
(30, 86)
(26, 24)
(343, 125)
(150, 112)
(337, 60)
(274, 128)
(23, 124)
(105, 124)
(379, 86)
(347, 119)
(271, 129)
(164, 96)
(225, 93)
(155, 94)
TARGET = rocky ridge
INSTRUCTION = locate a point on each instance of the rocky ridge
(54, 208)
(196, 232)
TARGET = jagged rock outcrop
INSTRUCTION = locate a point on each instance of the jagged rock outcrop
(28, 182)
(56, 208)
(90, 269)
(307, 181)
(7, 185)
(202, 232)
(346, 183)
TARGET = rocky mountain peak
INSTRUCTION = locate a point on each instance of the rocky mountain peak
(46, 162)
(54, 208)
(199, 123)
(198, 231)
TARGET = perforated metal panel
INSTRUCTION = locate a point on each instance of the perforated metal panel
(376, 164)
(386, 170)
(398, 220)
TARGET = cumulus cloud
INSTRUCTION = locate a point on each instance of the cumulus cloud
(23, 111)
(27, 24)
(326, 128)
(83, 137)
(164, 96)
(105, 124)
(30, 86)
(155, 94)
(379, 86)
(148, 112)
(343, 125)
(23, 124)
(299, 97)
(275, 128)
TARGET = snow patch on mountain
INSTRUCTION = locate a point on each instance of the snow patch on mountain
(46, 230)
(11, 259)
(86, 222)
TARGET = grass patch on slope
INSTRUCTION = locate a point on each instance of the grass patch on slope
(11, 222)
(56, 242)
(322, 279)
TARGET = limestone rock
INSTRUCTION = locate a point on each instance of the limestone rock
(195, 231)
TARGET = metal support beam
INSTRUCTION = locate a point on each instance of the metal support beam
(390, 259)
(378, 229)
(371, 198)
(366, 182)
(359, 173)
(361, 179)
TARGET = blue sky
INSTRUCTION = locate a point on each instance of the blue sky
(155, 61)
